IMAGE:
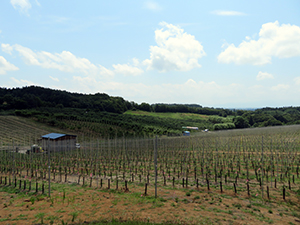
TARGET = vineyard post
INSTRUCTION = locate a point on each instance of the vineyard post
(155, 165)
(49, 167)
(203, 158)
(277, 165)
(14, 162)
(272, 163)
(262, 167)
(217, 161)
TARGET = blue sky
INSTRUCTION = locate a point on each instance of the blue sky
(213, 53)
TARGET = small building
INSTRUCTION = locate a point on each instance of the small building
(191, 128)
(56, 142)
(186, 133)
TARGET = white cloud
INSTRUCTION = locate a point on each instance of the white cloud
(53, 19)
(248, 38)
(6, 48)
(6, 66)
(64, 61)
(264, 75)
(37, 2)
(280, 87)
(127, 70)
(297, 80)
(274, 41)
(175, 50)
(54, 78)
(152, 6)
(21, 5)
(21, 82)
(135, 62)
(105, 72)
(227, 13)
(208, 93)
(192, 91)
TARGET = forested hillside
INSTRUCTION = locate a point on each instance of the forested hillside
(36, 97)
(268, 117)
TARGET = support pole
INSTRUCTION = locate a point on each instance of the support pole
(49, 166)
(262, 169)
(155, 165)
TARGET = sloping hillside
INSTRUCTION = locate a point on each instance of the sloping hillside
(20, 131)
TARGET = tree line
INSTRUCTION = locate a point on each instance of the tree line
(35, 97)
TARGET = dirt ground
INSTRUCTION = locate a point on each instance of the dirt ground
(74, 204)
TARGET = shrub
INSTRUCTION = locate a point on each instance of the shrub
(223, 126)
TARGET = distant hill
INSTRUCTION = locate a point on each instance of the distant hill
(36, 97)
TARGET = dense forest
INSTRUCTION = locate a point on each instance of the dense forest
(35, 97)
(60, 108)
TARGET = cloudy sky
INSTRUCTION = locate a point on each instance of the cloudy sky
(213, 53)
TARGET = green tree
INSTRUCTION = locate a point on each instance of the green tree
(145, 107)
(240, 122)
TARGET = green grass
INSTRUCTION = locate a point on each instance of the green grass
(179, 116)
(187, 116)
(180, 119)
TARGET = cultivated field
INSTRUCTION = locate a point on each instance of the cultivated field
(228, 177)
(19, 131)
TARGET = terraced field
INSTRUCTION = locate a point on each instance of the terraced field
(19, 131)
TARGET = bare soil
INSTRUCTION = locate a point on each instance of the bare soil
(74, 204)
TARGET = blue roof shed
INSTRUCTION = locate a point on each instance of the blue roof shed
(186, 133)
(59, 142)
(54, 136)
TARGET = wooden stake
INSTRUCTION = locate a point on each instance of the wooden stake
(207, 181)
(221, 187)
(155, 165)
(248, 189)
(145, 189)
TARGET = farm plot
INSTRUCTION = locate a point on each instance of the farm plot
(18, 131)
(255, 164)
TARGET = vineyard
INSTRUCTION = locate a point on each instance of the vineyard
(21, 132)
(260, 163)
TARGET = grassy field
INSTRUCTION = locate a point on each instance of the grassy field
(185, 119)
(168, 115)
(180, 116)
